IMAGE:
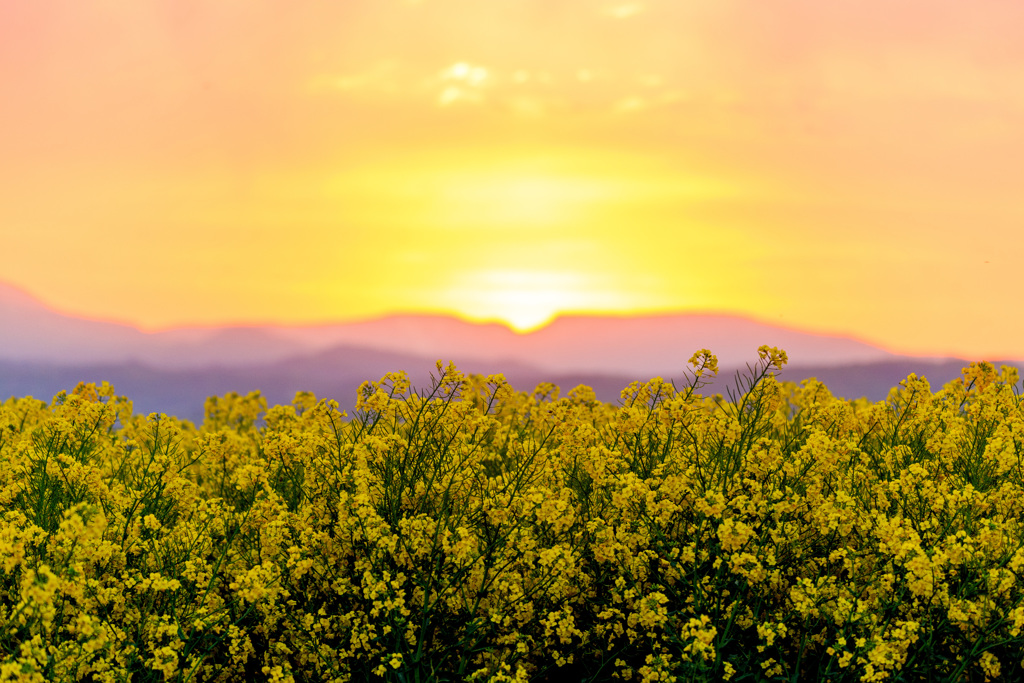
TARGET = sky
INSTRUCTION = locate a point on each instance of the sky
(851, 166)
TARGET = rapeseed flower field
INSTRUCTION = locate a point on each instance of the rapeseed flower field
(469, 531)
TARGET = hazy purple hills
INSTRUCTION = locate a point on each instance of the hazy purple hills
(42, 352)
(638, 346)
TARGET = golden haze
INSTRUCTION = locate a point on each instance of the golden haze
(806, 164)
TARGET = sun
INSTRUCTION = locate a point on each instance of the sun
(523, 299)
(524, 312)
(527, 300)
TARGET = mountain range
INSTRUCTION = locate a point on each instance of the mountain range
(43, 351)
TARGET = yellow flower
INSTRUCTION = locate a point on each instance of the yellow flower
(700, 634)
(774, 356)
(990, 666)
(734, 534)
(704, 361)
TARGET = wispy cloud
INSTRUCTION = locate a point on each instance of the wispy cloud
(624, 10)
(460, 82)
(529, 93)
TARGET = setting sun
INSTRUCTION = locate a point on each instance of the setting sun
(528, 299)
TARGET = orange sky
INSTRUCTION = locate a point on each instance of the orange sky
(845, 166)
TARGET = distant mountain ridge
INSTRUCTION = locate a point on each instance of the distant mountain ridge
(43, 352)
(640, 346)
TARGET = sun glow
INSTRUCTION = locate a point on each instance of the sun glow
(520, 236)
(526, 300)
(503, 191)
(522, 313)
(521, 198)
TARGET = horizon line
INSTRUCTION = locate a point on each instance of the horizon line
(495, 321)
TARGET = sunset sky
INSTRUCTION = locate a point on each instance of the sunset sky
(849, 166)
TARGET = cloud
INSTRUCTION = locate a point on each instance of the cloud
(461, 82)
(522, 92)
(624, 10)
(466, 73)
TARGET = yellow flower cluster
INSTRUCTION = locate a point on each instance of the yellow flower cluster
(474, 532)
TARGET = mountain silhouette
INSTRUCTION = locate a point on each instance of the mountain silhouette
(622, 345)
(43, 351)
